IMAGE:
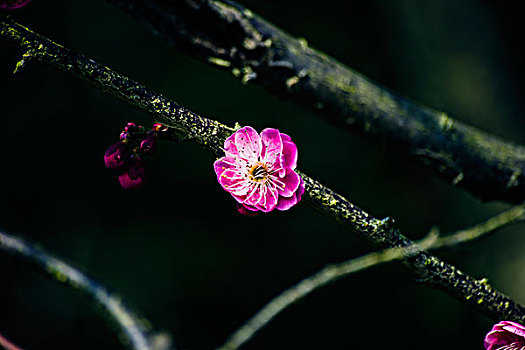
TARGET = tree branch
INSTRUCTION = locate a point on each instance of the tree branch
(135, 329)
(331, 273)
(211, 134)
(231, 37)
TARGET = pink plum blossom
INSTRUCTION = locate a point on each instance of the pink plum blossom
(258, 170)
(506, 335)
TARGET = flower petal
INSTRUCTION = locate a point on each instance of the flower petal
(248, 143)
(496, 339)
(268, 201)
(291, 183)
(228, 179)
(286, 203)
(128, 183)
(116, 155)
(136, 168)
(300, 191)
(230, 149)
(254, 196)
(149, 143)
(288, 157)
(133, 176)
(515, 328)
(241, 190)
(511, 323)
(222, 164)
(285, 137)
(231, 178)
(271, 138)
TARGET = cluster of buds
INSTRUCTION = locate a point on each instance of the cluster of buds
(127, 155)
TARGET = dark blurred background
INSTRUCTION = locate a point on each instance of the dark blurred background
(177, 249)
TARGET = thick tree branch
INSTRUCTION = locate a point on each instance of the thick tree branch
(231, 37)
(136, 331)
(211, 134)
(331, 273)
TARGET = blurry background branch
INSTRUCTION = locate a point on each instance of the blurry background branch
(231, 37)
(331, 273)
(211, 134)
(134, 330)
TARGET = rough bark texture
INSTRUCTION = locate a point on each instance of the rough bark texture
(211, 134)
(231, 37)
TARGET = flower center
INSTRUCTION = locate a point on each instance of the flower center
(258, 172)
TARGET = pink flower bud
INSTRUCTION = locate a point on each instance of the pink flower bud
(116, 155)
(132, 127)
(159, 127)
(123, 136)
(149, 144)
(134, 175)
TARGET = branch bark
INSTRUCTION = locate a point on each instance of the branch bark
(136, 331)
(211, 134)
(231, 37)
(331, 273)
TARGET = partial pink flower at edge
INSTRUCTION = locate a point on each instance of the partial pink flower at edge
(258, 170)
(13, 4)
(505, 335)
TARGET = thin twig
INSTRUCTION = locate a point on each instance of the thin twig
(334, 272)
(230, 37)
(136, 330)
(429, 269)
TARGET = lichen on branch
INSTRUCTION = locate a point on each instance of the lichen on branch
(230, 37)
(211, 134)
